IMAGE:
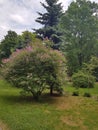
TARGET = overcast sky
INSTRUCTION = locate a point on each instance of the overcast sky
(20, 15)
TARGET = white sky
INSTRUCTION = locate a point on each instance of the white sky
(20, 15)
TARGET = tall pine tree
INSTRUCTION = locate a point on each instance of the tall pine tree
(50, 20)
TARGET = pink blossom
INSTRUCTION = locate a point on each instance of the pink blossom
(17, 50)
(28, 48)
(5, 60)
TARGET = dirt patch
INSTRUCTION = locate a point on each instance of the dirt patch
(3, 126)
(66, 103)
(70, 121)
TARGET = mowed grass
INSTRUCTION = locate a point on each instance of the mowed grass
(92, 91)
(51, 113)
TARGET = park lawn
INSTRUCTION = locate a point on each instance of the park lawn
(51, 113)
(93, 91)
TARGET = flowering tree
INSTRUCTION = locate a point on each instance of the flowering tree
(35, 69)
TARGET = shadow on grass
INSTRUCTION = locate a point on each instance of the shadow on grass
(13, 99)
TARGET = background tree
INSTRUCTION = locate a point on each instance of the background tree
(50, 20)
(8, 44)
(12, 41)
(80, 25)
(92, 67)
(26, 38)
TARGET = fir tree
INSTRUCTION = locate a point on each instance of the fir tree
(50, 20)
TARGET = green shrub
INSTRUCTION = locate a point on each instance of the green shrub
(87, 94)
(94, 66)
(35, 68)
(83, 80)
(75, 93)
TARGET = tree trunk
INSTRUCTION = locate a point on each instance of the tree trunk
(36, 96)
(51, 90)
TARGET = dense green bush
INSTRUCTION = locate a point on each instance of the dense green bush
(83, 80)
(87, 94)
(35, 68)
(75, 93)
(93, 65)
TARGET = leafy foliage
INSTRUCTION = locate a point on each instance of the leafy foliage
(80, 25)
(26, 39)
(92, 66)
(7, 45)
(83, 80)
(12, 42)
(75, 93)
(87, 94)
(35, 69)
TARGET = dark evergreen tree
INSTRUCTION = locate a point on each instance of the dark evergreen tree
(50, 20)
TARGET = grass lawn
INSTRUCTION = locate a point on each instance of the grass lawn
(93, 91)
(52, 113)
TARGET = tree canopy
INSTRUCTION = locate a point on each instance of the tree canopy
(80, 27)
(13, 41)
(8, 43)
